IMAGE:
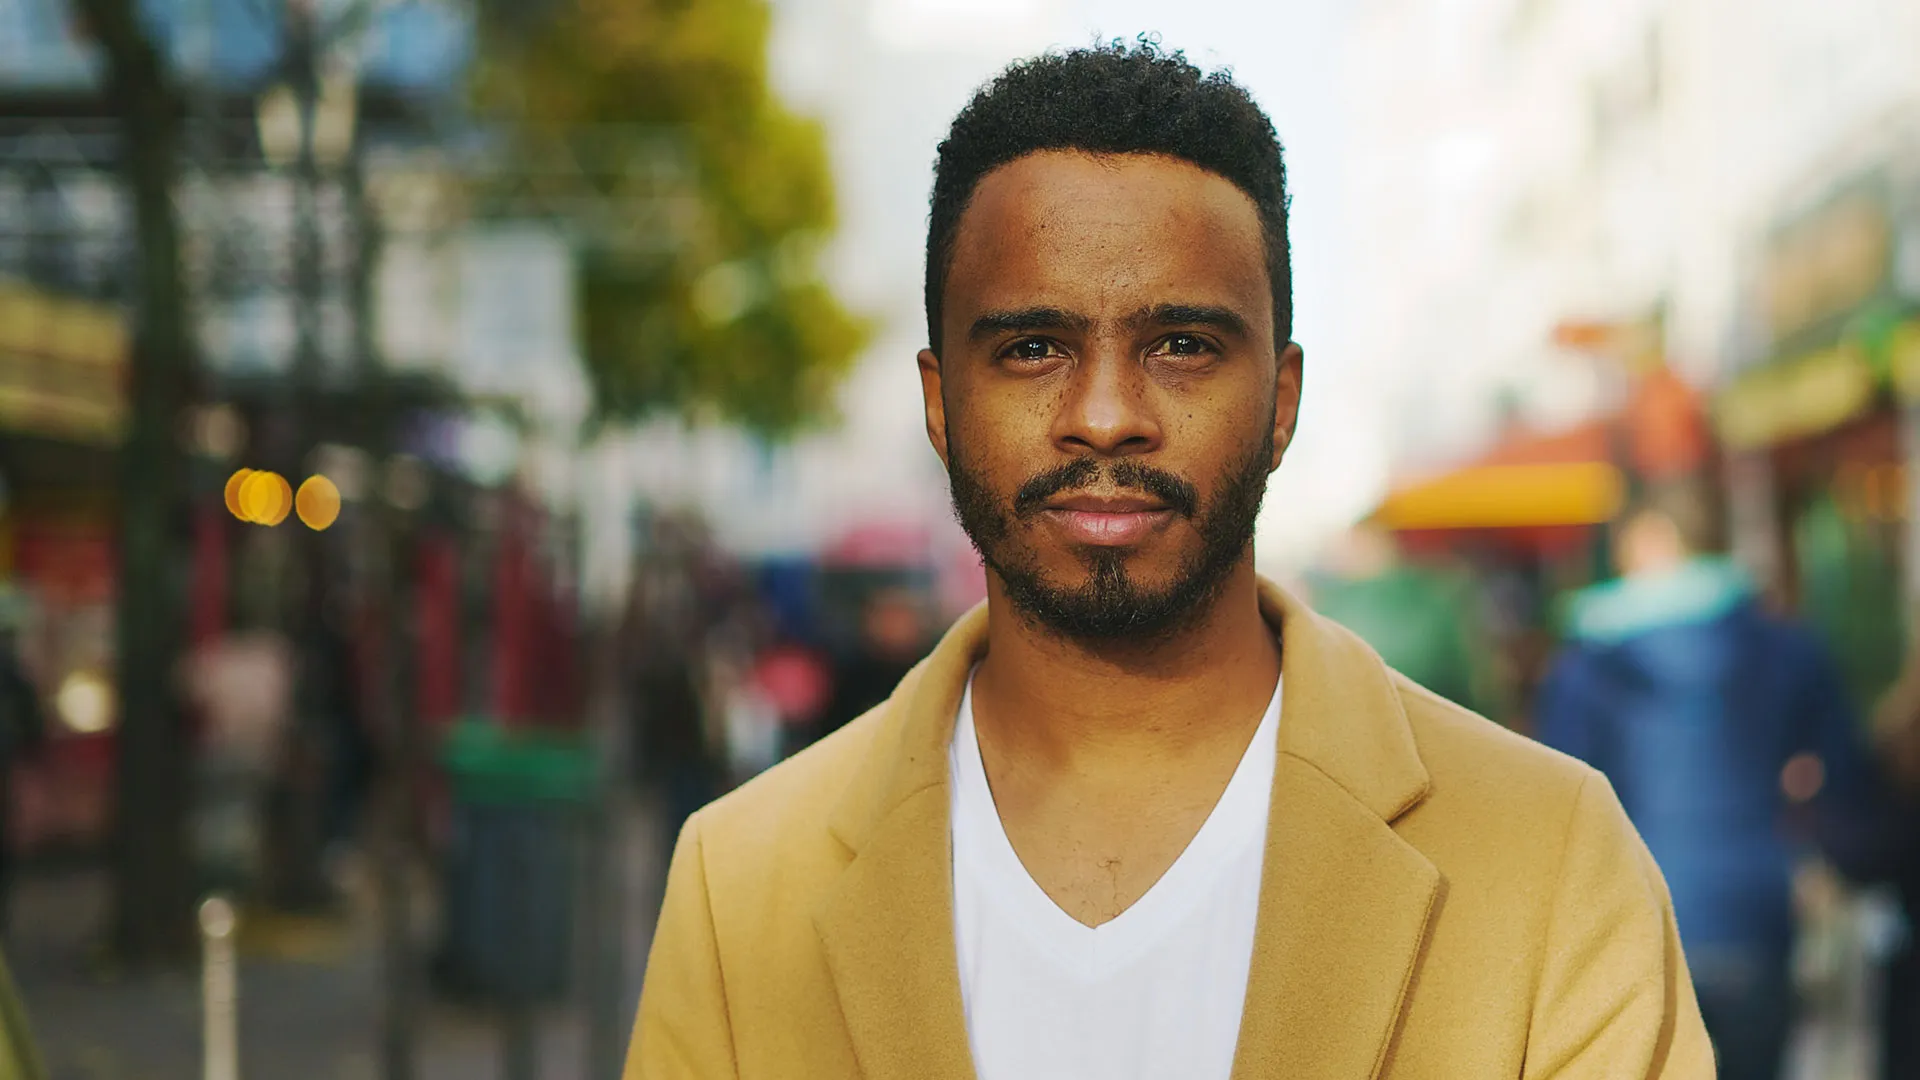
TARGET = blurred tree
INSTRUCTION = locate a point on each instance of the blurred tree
(706, 296)
(153, 886)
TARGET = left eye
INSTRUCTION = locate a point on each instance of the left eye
(1185, 345)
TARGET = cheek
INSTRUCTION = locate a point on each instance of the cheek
(999, 437)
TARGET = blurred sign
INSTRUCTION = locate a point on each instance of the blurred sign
(1828, 263)
(62, 366)
(1903, 359)
(1798, 398)
(516, 307)
(412, 320)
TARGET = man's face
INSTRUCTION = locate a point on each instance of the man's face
(1110, 401)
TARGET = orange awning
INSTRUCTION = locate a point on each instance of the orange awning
(1563, 478)
(1508, 496)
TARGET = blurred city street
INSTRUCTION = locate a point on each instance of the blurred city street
(310, 993)
(446, 443)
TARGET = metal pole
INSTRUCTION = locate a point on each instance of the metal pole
(520, 1034)
(219, 991)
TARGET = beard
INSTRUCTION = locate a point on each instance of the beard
(1110, 607)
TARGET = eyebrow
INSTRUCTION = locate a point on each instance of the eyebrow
(1035, 318)
(1223, 319)
(1226, 320)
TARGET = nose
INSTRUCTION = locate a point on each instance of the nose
(1108, 408)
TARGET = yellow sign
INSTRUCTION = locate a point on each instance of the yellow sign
(1796, 399)
(1828, 263)
(62, 366)
(1903, 359)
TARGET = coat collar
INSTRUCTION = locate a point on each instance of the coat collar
(1344, 901)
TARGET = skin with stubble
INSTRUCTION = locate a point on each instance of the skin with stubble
(1109, 401)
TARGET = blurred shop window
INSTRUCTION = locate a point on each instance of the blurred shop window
(1850, 590)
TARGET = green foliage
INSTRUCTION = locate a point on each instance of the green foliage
(706, 299)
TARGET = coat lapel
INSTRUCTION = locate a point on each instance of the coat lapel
(888, 932)
(1345, 903)
(888, 924)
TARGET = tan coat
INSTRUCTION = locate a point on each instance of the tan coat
(1441, 898)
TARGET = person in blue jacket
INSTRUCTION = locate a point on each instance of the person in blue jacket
(1729, 738)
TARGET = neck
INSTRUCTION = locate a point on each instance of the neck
(1063, 704)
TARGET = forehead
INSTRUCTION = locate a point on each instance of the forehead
(1090, 232)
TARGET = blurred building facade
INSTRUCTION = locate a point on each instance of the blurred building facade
(1728, 187)
(1520, 163)
(311, 355)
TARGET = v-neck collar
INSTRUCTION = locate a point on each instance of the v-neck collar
(1337, 881)
(1236, 827)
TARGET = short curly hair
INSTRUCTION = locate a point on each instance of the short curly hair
(1112, 99)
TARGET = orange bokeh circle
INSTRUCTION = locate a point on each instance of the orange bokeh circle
(317, 502)
(266, 497)
(234, 484)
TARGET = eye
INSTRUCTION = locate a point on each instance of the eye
(1185, 345)
(1030, 351)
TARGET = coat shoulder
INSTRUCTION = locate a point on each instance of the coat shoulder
(1493, 767)
(783, 813)
(1454, 742)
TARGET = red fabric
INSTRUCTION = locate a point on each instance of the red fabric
(437, 627)
(1545, 542)
(556, 692)
(209, 618)
(796, 680)
(512, 613)
(70, 562)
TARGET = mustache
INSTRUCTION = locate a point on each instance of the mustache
(1179, 495)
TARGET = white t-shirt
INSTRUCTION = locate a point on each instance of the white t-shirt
(1155, 993)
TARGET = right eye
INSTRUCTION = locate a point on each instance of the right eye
(1030, 351)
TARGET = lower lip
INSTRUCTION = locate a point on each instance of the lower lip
(1111, 530)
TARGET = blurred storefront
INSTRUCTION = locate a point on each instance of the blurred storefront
(1821, 456)
(1521, 520)
(61, 412)
(1526, 519)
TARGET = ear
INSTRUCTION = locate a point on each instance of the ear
(1286, 400)
(934, 404)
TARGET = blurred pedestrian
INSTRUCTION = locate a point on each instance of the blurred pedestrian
(1897, 733)
(22, 732)
(1423, 623)
(1730, 741)
(893, 638)
(797, 679)
(674, 757)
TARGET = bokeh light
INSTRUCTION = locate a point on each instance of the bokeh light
(265, 498)
(317, 502)
(234, 483)
(85, 703)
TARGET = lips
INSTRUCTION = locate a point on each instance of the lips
(1107, 520)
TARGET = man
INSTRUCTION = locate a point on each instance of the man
(1733, 748)
(1090, 836)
